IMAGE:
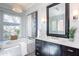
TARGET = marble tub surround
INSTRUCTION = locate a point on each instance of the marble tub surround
(8, 43)
(3, 41)
(10, 47)
(24, 46)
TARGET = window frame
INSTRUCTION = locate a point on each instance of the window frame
(10, 23)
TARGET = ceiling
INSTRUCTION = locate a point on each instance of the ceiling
(25, 6)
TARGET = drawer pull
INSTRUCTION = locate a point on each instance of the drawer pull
(37, 53)
(70, 50)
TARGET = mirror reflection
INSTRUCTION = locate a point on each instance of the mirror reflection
(57, 19)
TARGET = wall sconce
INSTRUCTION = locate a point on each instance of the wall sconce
(75, 14)
(43, 19)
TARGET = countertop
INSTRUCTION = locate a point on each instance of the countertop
(62, 41)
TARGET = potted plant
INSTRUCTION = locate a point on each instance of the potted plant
(17, 32)
(72, 33)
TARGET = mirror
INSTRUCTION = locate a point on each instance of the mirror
(58, 20)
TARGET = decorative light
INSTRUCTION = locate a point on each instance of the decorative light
(17, 8)
(75, 14)
(43, 19)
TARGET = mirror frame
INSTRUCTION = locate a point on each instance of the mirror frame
(66, 35)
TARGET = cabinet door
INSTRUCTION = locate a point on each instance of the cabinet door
(45, 49)
(50, 49)
(55, 49)
(32, 24)
(38, 46)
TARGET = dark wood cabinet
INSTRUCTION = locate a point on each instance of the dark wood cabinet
(38, 47)
(44, 48)
(77, 52)
(55, 49)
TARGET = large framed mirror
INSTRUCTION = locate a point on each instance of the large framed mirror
(58, 20)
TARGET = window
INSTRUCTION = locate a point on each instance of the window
(11, 26)
(11, 19)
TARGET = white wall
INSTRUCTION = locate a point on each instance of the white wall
(23, 26)
(41, 8)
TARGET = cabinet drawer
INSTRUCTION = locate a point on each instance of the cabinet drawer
(69, 51)
(38, 41)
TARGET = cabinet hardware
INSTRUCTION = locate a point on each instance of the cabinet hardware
(70, 50)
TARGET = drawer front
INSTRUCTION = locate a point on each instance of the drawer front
(38, 43)
(69, 51)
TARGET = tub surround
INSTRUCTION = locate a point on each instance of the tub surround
(24, 45)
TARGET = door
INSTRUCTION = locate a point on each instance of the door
(32, 24)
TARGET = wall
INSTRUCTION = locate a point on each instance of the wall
(23, 26)
(1, 27)
(41, 8)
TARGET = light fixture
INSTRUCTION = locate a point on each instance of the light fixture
(17, 8)
(43, 19)
(75, 14)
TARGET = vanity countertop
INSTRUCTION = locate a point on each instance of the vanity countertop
(62, 41)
